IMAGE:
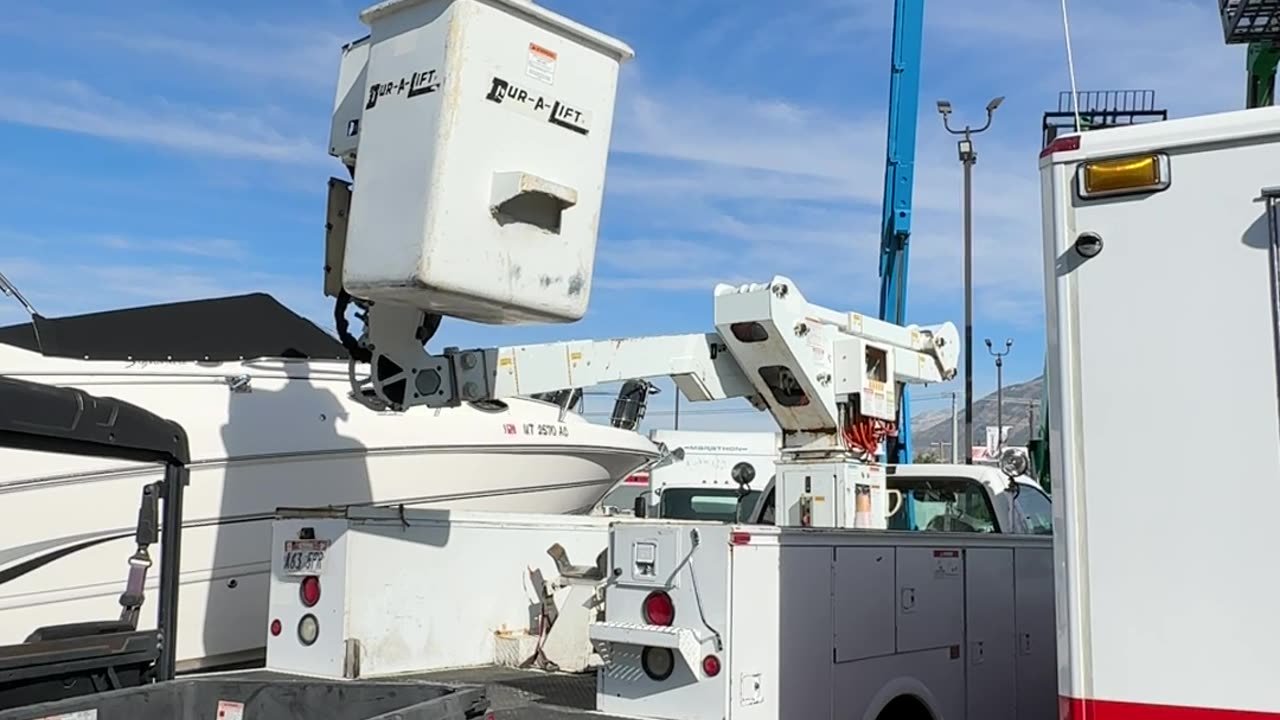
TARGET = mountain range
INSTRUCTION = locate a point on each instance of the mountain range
(931, 430)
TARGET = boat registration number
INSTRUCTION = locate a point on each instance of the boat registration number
(304, 557)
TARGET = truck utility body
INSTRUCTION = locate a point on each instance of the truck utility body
(750, 622)
(762, 621)
(1161, 304)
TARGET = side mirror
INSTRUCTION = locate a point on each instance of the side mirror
(641, 506)
(1014, 463)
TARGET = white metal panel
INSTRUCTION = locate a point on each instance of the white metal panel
(990, 634)
(1057, 226)
(430, 589)
(862, 592)
(349, 100)
(1234, 128)
(700, 595)
(648, 557)
(930, 587)
(468, 103)
(754, 627)
(286, 653)
(1166, 332)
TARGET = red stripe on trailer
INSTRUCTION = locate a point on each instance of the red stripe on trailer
(1078, 709)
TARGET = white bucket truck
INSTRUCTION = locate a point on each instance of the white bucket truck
(476, 135)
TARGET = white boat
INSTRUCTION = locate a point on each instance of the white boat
(264, 433)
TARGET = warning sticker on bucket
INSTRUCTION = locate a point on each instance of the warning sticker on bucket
(542, 64)
(228, 710)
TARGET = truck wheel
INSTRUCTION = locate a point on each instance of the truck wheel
(905, 707)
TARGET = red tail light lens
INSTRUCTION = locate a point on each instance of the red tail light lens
(711, 665)
(276, 627)
(658, 609)
(1062, 144)
(310, 590)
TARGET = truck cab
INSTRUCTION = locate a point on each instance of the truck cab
(695, 479)
(951, 498)
(699, 476)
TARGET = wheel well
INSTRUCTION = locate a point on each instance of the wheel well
(905, 707)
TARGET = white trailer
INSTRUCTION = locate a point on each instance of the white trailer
(1160, 251)
(366, 592)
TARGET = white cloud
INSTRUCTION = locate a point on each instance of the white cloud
(294, 54)
(292, 60)
(212, 248)
(71, 106)
(72, 288)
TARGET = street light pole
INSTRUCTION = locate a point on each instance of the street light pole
(968, 157)
(999, 356)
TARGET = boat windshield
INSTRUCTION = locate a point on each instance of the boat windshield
(707, 503)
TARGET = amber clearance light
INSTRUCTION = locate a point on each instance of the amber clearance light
(1124, 176)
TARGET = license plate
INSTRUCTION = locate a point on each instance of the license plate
(304, 557)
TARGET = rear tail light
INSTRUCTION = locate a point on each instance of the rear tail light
(711, 666)
(658, 663)
(310, 590)
(276, 628)
(1066, 143)
(658, 609)
(308, 629)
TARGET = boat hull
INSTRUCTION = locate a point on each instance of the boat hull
(291, 437)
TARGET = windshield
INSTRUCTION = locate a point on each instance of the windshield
(1034, 510)
(706, 504)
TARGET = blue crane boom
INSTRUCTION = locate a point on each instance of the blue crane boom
(899, 177)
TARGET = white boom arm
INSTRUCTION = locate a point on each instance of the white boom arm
(800, 361)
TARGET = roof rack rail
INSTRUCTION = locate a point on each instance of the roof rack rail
(1102, 108)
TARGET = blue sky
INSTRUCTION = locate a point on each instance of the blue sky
(158, 151)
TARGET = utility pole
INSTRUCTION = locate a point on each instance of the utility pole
(677, 427)
(968, 157)
(999, 356)
(1031, 420)
(955, 432)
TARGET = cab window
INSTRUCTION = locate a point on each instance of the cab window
(942, 505)
(706, 504)
(1034, 510)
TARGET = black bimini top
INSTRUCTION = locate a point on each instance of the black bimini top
(71, 421)
(222, 329)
